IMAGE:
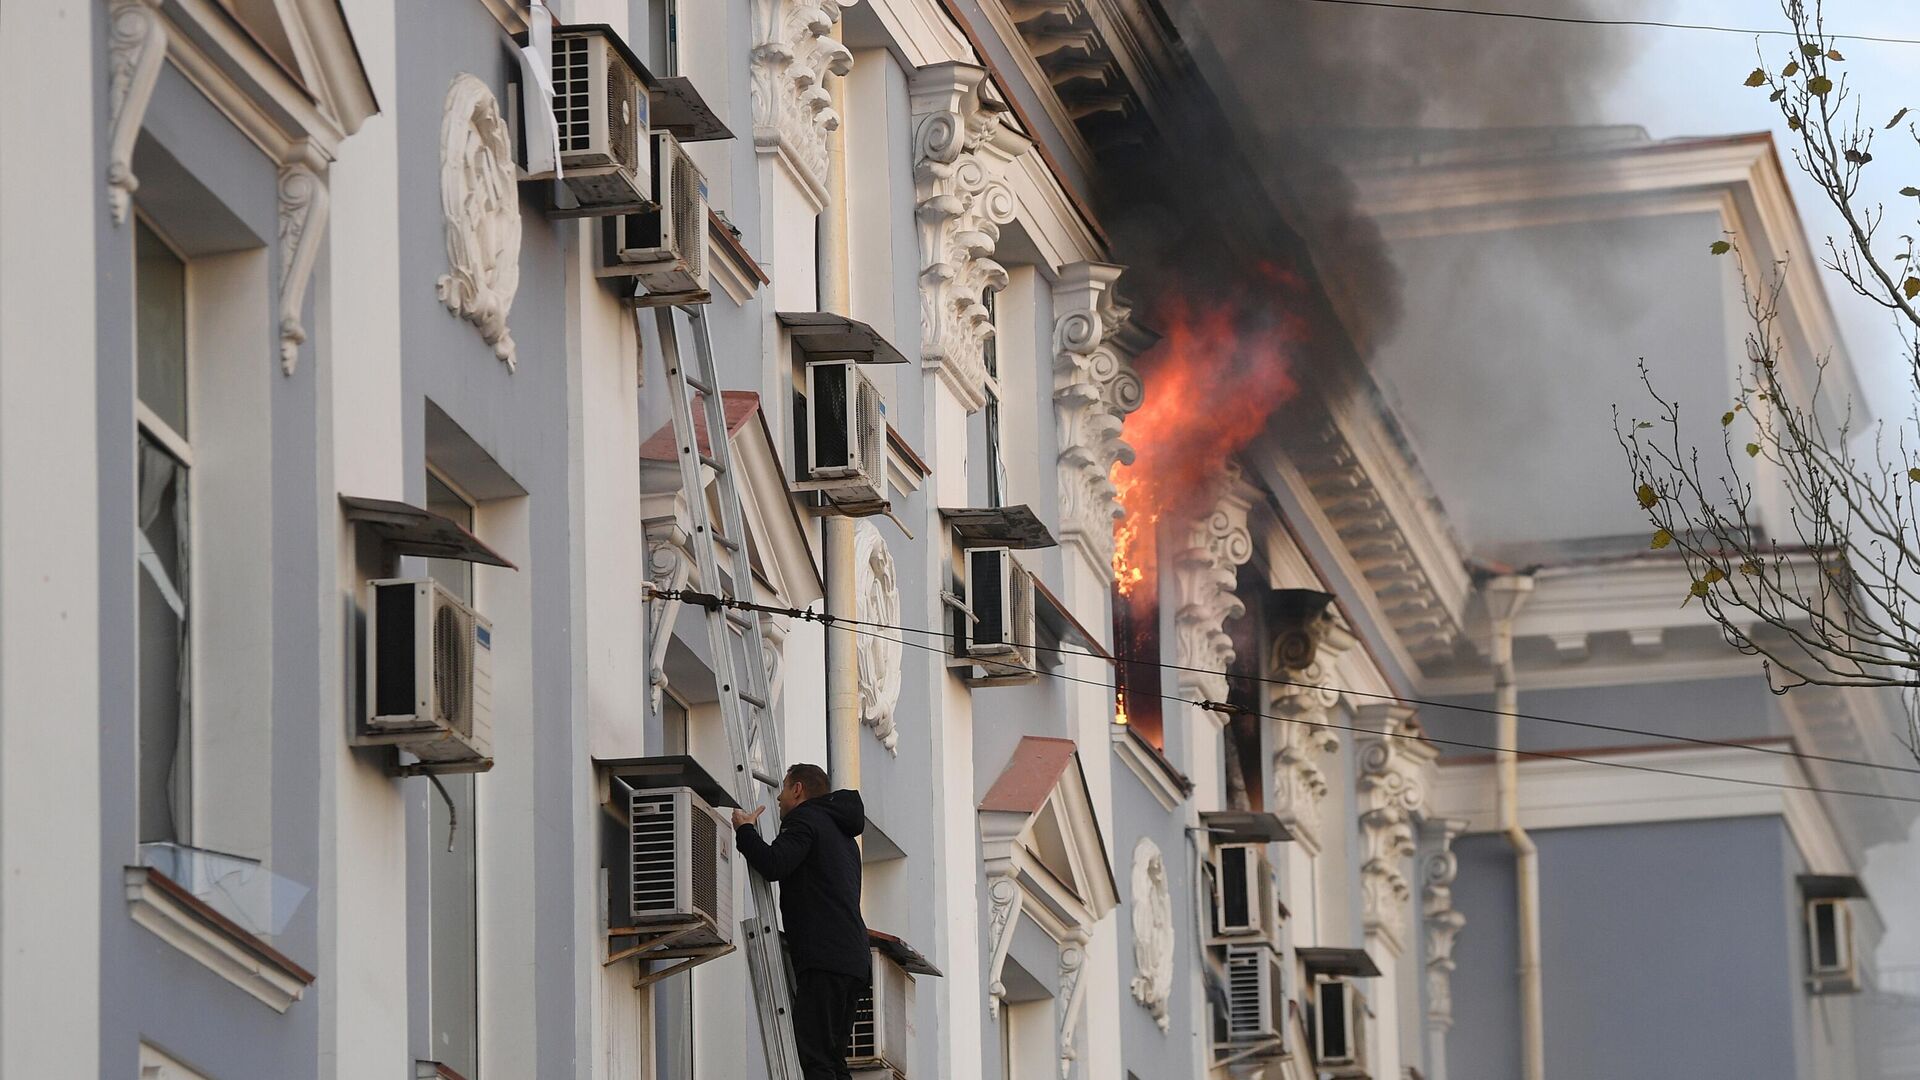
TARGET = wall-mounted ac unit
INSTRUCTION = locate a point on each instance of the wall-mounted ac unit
(1339, 1027)
(1001, 634)
(665, 247)
(845, 450)
(1830, 959)
(883, 1022)
(673, 867)
(1256, 998)
(600, 111)
(429, 675)
(1243, 897)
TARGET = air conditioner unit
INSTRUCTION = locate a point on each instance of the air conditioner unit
(845, 451)
(429, 671)
(1830, 961)
(883, 1022)
(673, 867)
(1243, 897)
(1256, 999)
(665, 247)
(600, 112)
(1000, 636)
(1339, 1027)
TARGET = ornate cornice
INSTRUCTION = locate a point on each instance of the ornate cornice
(794, 51)
(963, 143)
(1305, 654)
(1094, 388)
(1205, 572)
(1395, 769)
(136, 47)
(303, 222)
(1443, 923)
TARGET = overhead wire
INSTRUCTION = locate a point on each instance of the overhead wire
(1577, 20)
(856, 626)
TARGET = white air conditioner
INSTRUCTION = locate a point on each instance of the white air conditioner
(1339, 1027)
(665, 247)
(429, 675)
(883, 1022)
(1830, 960)
(1001, 634)
(845, 453)
(674, 867)
(1256, 999)
(600, 112)
(1243, 896)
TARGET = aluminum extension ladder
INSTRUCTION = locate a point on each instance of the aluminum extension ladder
(735, 640)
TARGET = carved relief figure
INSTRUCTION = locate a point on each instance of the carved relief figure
(878, 601)
(481, 202)
(1153, 936)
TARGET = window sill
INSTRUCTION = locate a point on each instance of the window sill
(180, 919)
(1156, 772)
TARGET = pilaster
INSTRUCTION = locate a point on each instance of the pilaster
(1094, 388)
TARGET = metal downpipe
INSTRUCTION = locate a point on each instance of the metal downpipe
(1504, 597)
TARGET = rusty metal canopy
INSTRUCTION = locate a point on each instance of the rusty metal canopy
(820, 335)
(1353, 963)
(669, 771)
(407, 529)
(679, 109)
(1244, 827)
(998, 526)
(901, 953)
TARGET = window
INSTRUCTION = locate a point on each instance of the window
(996, 461)
(164, 540)
(452, 868)
(663, 37)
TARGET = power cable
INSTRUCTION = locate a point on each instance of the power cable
(701, 599)
(1579, 21)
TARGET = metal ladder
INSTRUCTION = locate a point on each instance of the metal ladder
(734, 637)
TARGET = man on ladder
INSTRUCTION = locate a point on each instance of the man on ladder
(817, 863)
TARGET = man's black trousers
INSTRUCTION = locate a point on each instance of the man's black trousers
(823, 1021)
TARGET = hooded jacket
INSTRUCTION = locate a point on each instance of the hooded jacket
(817, 865)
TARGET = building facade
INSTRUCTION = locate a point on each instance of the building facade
(304, 310)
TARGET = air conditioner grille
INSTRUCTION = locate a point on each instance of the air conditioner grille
(689, 215)
(1246, 1005)
(864, 1045)
(1021, 600)
(705, 881)
(651, 836)
(452, 665)
(870, 418)
(573, 93)
(622, 94)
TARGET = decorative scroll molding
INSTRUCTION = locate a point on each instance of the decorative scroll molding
(669, 566)
(878, 603)
(1392, 785)
(1003, 906)
(1153, 936)
(963, 143)
(1094, 388)
(303, 222)
(481, 201)
(1072, 995)
(136, 47)
(1305, 654)
(1443, 923)
(793, 53)
(1204, 574)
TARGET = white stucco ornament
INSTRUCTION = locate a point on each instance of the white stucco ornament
(1152, 931)
(878, 602)
(482, 206)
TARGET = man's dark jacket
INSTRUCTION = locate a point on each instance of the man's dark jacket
(817, 865)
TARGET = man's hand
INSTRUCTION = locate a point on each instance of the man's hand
(741, 817)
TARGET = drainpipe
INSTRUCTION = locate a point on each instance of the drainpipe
(1504, 596)
(837, 530)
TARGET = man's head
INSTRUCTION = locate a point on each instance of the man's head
(803, 782)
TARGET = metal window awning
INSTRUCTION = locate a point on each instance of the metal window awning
(823, 336)
(409, 530)
(901, 953)
(670, 771)
(679, 110)
(1353, 963)
(1831, 887)
(1244, 827)
(998, 526)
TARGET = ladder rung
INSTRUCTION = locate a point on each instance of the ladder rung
(766, 778)
(724, 540)
(749, 698)
(713, 463)
(695, 382)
